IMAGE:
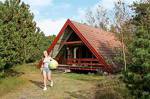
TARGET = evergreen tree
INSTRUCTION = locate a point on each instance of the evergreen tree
(20, 40)
(1, 38)
(46, 42)
(137, 77)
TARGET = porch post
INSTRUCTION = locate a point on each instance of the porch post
(75, 52)
(68, 52)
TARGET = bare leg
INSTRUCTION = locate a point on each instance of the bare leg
(44, 78)
(49, 77)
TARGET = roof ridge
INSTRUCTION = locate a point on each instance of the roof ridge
(90, 26)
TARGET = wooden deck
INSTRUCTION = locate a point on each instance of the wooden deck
(84, 67)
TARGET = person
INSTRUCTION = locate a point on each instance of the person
(46, 72)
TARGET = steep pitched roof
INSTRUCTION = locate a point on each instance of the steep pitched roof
(97, 40)
(97, 37)
(104, 42)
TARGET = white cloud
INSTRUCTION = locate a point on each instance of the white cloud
(106, 4)
(2, 0)
(80, 16)
(38, 2)
(49, 26)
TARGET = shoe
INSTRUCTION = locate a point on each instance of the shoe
(51, 84)
(44, 88)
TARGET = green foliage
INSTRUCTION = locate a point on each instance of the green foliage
(137, 77)
(47, 41)
(20, 40)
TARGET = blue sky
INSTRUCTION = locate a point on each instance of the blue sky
(50, 15)
(63, 8)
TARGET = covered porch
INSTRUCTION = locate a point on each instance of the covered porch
(75, 53)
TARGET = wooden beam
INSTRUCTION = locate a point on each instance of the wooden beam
(72, 42)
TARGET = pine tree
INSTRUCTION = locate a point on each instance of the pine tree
(2, 60)
(20, 40)
(137, 77)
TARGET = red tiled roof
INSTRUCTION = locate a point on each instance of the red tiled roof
(104, 42)
(97, 37)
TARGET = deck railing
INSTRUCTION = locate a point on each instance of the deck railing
(83, 62)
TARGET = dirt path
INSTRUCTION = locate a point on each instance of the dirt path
(64, 88)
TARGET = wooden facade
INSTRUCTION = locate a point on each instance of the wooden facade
(76, 48)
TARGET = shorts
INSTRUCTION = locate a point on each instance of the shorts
(47, 70)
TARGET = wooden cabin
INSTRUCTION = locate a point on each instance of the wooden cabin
(82, 47)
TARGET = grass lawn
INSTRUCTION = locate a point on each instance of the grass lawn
(14, 79)
(25, 82)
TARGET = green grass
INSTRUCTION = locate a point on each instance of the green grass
(106, 87)
(26, 68)
(9, 84)
(13, 79)
(75, 84)
(84, 77)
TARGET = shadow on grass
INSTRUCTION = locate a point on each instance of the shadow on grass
(37, 83)
(81, 94)
(12, 73)
(107, 94)
(108, 90)
(103, 93)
